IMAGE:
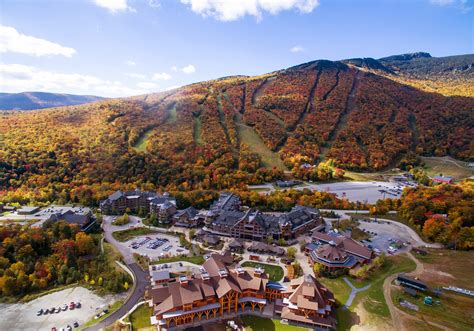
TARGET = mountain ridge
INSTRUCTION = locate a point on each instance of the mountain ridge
(31, 100)
(237, 130)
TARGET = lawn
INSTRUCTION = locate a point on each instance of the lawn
(373, 298)
(455, 311)
(125, 235)
(275, 272)
(337, 286)
(140, 318)
(257, 323)
(446, 166)
(248, 136)
(191, 259)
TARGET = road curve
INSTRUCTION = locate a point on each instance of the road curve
(139, 286)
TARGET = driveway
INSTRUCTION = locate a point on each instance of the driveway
(138, 291)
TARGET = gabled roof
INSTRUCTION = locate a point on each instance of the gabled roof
(350, 245)
(189, 212)
(310, 294)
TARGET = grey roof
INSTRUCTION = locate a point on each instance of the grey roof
(116, 195)
(160, 275)
(229, 218)
(190, 212)
(225, 202)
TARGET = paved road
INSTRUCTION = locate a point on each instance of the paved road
(138, 290)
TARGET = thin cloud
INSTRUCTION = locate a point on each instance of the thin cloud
(296, 49)
(18, 78)
(114, 6)
(147, 86)
(131, 63)
(463, 5)
(189, 69)
(15, 42)
(135, 76)
(232, 10)
(161, 76)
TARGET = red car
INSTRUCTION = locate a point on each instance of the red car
(72, 305)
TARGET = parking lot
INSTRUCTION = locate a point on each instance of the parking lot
(384, 235)
(155, 246)
(23, 316)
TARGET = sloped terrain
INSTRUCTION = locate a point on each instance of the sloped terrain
(230, 132)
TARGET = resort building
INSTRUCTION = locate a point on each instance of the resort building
(336, 251)
(135, 201)
(443, 179)
(223, 289)
(307, 302)
(256, 225)
(80, 216)
(189, 217)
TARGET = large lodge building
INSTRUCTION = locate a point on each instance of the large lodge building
(222, 289)
(225, 216)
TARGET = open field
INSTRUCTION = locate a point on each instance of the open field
(446, 166)
(373, 299)
(125, 235)
(256, 323)
(455, 311)
(248, 136)
(444, 267)
(275, 272)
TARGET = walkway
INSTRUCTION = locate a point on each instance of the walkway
(354, 291)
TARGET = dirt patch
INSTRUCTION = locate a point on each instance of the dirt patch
(370, 322)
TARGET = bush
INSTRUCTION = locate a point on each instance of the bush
(125, 219)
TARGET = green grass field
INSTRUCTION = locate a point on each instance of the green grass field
(275, 272)
(256, 323)
(140, 145)
(248, 136)
(125, 235)
(338, 287)
(116, 305)
(140, 318)
(373, 298)
(446, 166)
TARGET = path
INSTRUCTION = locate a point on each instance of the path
(397, 314)
(354, 291)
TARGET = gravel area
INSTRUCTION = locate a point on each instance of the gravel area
(22, 316)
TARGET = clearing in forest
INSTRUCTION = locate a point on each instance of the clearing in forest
(248, 136)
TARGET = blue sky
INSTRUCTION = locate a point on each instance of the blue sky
(127, 47)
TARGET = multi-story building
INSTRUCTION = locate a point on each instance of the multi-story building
(222, 288)
(256, 225)
(307, 302)
(119, 202)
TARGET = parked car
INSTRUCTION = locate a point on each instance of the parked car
(54, 328)
(58, 310)
(106, 311)
(75, 324)
(72, 305)
(68, 328)
(78, 305)
(64, 308)
(39, 312)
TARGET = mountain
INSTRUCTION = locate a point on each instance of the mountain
(39, 100)
(236, 130)
(450, 75)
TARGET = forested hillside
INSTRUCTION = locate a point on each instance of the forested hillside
(39, 100)
(218, 134)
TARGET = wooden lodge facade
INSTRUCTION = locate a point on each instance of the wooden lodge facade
(220, 289)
